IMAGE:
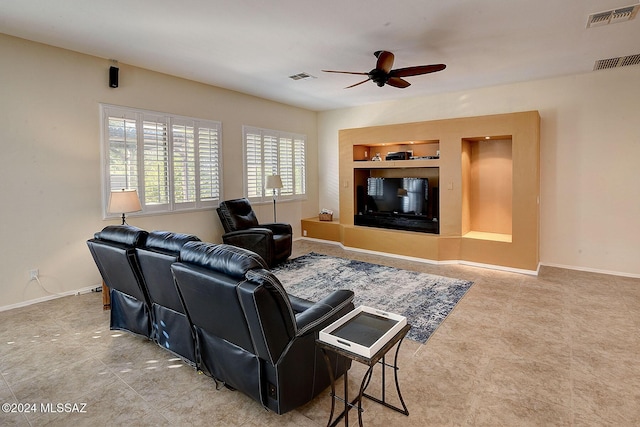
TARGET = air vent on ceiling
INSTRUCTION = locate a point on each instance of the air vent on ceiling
(613, 16)
(621, 61)
(301, 76)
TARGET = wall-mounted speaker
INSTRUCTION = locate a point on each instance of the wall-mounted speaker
(113, 77)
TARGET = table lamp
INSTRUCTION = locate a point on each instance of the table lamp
(124, 201)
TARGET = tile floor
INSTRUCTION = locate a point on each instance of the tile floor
(554, 350)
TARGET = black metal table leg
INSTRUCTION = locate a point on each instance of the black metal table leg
(383, 401)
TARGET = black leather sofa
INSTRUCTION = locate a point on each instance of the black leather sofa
(136, 267)
(221, 310)
(114, 252)
(170, 327)
(251, 335)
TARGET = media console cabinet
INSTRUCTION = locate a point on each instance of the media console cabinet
(484, 173)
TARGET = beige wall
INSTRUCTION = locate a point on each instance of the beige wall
(590, 151)
(50, 161)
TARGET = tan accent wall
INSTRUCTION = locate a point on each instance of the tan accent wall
(488, 189)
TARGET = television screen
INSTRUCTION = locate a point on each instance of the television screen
(398, 195)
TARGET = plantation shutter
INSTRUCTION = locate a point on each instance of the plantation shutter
(123, 153)
(209, 164)
(286, 166)
(270, 149)
(253, 164)
(155, 163)
(269, 152)
(299, 165)
(173, 162)
(184, 165)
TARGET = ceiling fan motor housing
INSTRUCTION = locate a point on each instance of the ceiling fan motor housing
(378, 76)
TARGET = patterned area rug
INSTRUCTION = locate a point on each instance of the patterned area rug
(424, 299)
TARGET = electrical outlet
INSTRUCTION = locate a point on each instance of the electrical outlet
(33, 274)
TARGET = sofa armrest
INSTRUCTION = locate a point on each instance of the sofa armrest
(300, 304)
(258, 240)
(278, 227)
(256, 234)
(327, 310)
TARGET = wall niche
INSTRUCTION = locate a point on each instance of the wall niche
(487, 187)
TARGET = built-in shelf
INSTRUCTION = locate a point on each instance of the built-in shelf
(487, 173)
(396, 164)
(481, 235)
(325, 230)
(418, 148)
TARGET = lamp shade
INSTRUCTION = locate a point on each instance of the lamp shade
(124, 201)
(273, 181)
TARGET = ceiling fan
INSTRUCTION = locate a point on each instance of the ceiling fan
(383, 74)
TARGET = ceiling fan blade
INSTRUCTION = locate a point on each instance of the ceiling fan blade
(415, 71)
(346, 72)
(398, 82)
(385, 60)
(359, 83)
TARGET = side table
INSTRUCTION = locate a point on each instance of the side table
(371, 362)
(106, 297)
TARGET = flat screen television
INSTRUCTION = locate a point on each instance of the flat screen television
(397, 195)
(398, 203)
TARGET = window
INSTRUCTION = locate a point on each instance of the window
(270, 152)
(173, 162)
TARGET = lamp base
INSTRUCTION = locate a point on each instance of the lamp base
(274, 205)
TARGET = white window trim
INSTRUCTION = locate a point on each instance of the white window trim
(107, 110)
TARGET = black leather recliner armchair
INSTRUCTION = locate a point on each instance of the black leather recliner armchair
(113, 250)
(170, 327)
(249, 333)
(272, 241)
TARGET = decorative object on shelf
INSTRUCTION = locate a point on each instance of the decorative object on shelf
(124, 201)
(424, 157)
(376, 158)
(399, 155)
(325, 215)
(273, 183)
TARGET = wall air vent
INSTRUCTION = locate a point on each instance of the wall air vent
(613, 16)
(301, 76)
(621, 61)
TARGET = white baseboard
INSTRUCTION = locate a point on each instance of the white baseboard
(313, 239)
(502, 268)
(592, 270)
(85, 290)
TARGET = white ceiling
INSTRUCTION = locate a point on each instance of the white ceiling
(252, 46)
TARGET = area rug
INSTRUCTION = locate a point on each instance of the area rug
(424, 299)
